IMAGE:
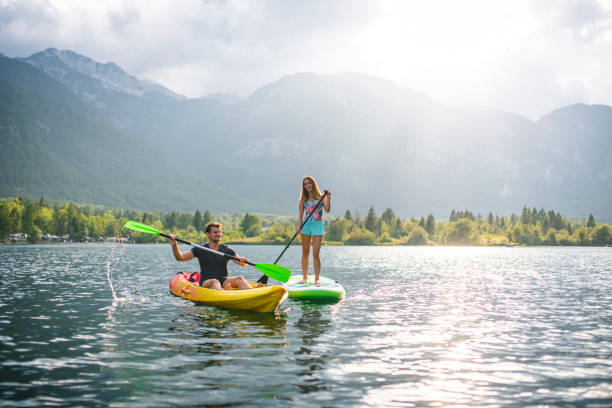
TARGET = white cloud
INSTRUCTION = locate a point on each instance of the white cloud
(528, 57)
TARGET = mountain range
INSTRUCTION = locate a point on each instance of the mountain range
(75, 129)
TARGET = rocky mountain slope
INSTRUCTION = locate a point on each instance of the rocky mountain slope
(369, 140)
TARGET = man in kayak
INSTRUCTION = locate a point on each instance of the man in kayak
(213, 268)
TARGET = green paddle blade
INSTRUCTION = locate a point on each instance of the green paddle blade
(280, 273)
(136, 226)
(277, 272)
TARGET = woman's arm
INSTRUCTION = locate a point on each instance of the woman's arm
(327, 201)
(300, 216)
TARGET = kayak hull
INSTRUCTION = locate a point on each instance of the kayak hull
(263, 299)
(328, 291)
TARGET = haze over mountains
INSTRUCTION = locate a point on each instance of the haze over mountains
(75, 129)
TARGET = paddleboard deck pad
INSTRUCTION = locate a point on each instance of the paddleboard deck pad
(328, 290)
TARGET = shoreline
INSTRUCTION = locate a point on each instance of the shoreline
(332, 243)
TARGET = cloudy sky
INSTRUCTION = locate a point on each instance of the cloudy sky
(528, 57)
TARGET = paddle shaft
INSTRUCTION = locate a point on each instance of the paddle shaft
(207, 249)
(264, 278)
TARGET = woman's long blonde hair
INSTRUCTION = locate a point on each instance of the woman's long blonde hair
(316, 193)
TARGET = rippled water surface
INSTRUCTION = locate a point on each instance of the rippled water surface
(420, 326)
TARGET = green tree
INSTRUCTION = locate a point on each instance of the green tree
(385, 238)
(543, 219)
(34, 233)
(461, 232)
(197, 221)
(430, 225)
(171, 220)
(348, 216)
(184, 221)
(397, 230)
(5, 221)
(534, 216)
(96, 226)
(338, 229)
(60, 221)
(27, 217)
(551, 238)
(251, 225)
(148, 218)
(564, 238)
(111, 229)
(75, 222)
(279, 233)
(591, 221)
(371, 223)
(206, 218)
(580, 236)
(526, 216)
(490, 219)
(361, 236)
(418, 236)
(15, 220)
(522, 234)
(388, 216)
(601, 235)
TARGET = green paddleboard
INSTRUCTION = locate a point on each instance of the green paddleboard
(329, 290)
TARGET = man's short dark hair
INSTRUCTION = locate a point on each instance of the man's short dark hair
(212, 225)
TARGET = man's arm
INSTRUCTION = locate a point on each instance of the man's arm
(242, 261)
(180, 256)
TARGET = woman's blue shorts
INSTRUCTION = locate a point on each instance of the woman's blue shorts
(314, 228)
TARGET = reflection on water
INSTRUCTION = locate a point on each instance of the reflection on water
(419, 326)
(313, 322)
(206, 326)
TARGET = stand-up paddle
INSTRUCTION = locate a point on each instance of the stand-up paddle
(277, 272)
(264, 278)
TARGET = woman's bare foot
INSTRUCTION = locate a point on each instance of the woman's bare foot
(259, 284)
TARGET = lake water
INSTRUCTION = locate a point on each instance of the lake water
(420, 326)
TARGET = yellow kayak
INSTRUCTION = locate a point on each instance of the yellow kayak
(263, 299)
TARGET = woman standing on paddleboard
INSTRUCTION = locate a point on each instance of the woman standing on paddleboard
(313, 230)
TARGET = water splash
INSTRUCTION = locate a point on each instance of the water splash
(114, 257)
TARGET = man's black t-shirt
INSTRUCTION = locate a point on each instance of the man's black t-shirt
(213, 266)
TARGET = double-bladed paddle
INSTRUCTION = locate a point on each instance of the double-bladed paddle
(264, 278)
(277, 272)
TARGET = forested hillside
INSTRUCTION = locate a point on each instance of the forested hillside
(101, 136)
(76, 223)
(55, 146)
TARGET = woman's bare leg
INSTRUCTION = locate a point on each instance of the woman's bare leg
(317, 241)
(305, 254)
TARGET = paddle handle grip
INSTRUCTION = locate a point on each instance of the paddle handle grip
(235, 258)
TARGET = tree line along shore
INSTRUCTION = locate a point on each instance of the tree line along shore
(38, 221)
